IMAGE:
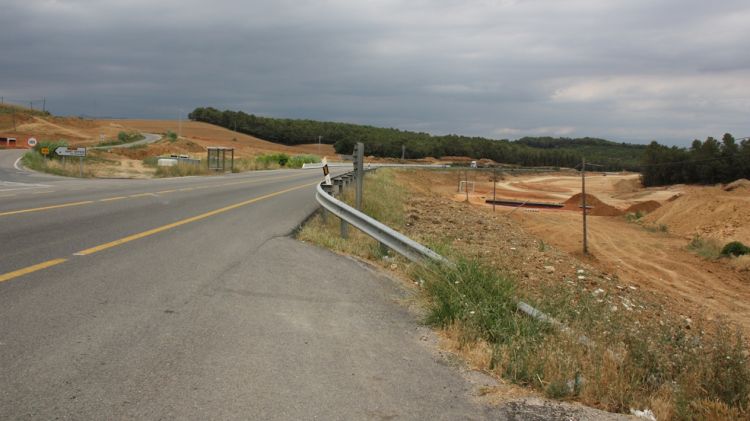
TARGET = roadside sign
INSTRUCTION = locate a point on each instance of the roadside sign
(45, 151)
(324, 161)
(63, 151)
(31, 142)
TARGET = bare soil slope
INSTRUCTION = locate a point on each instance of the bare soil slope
(655, 261)
(708, 212)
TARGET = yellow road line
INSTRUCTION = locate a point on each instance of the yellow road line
(153, 231)
(64, 205)
(108, 199)
(20, 272)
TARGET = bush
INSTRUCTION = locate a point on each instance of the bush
(735, 248)
(706, 248)
(52, 145)
(268, 160)
(298, 160)
(171, 136)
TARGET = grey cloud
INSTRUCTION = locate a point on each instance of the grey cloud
(627, 70)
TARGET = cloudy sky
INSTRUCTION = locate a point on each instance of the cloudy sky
(627, 70)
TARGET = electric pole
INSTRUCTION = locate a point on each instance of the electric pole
(319, 137)
(583, 196)
(179, 123)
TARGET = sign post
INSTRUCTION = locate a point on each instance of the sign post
(80, 153)
(31, 142)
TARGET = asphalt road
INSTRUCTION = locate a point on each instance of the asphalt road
(187, 299)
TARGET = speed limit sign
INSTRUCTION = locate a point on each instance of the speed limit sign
(31, 142)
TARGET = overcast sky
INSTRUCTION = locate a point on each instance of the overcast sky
(630, 70)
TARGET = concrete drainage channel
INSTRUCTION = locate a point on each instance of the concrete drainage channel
(387, 236)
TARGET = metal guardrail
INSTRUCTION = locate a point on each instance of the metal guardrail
(404, 245)
(377, 230)
(372, 165)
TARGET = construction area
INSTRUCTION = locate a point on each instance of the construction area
(638, 238)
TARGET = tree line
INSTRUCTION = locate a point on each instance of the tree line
(707, 162)
(388, 142)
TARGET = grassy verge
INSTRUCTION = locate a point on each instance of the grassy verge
(680, 369)
(70, 168)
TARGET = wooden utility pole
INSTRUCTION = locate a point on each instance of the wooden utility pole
(494, 185)
(583, 196)
(466, 184)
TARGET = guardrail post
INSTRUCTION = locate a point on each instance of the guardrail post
(359, 173)
(344, 229)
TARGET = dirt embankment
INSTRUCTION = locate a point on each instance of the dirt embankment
(644, 207)
(597, 207)
(708, 212)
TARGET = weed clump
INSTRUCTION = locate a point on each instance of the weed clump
(707, 248)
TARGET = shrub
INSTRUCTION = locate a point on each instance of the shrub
(705, 247)
(735, 248)
(171, 136)
(52, 145)
(298, 160)
(268, 160)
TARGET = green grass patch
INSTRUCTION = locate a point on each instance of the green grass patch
(123, 138)
(707, 248)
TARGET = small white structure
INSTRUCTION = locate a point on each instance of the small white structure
(166, 162)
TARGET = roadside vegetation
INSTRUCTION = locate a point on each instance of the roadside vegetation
(54, 164)
(123, 138)
(614, 357)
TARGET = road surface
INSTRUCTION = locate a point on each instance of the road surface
(187, 299)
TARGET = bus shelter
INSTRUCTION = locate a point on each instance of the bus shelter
(217, 158)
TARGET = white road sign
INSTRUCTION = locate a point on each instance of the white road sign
(31, 142)
(63, 151)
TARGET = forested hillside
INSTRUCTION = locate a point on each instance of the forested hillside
(388, 142)
(707, 162)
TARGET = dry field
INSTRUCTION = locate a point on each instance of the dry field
(652, 253)
(128, 163)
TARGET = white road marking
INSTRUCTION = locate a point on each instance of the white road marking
(15, 164)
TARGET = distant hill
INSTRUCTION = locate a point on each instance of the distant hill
(388, 142)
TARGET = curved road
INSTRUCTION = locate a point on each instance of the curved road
(187, 299)
(147, 138)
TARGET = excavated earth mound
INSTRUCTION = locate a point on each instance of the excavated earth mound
(708, 212)
(598, 208)
(646, 207)
(742, 183)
